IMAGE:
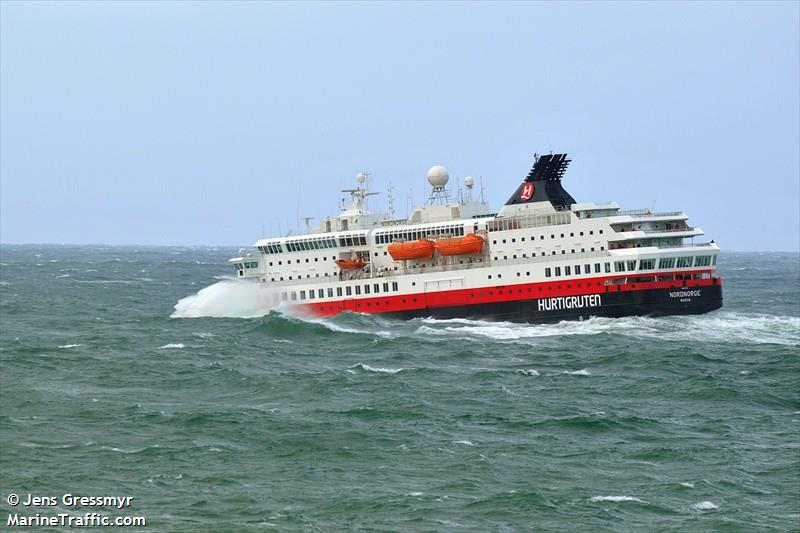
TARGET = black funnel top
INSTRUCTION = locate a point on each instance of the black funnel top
(543, 183)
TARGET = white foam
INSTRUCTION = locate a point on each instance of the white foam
(582, 372)
(333, 326)
(380, 370)
(705, 506)
(687, 484)
(226, 299)
(528, 372)
(415, 494)
(722, 326)
(172, 345)
(615, 499)
(70, 345)
(464, 442)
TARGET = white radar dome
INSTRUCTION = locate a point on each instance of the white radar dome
(438, 176)
(469, 182)
(361, 178)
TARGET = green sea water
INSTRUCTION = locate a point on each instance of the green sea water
(230, 421)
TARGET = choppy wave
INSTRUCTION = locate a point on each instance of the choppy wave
(615, 499)
(705, 506)
(379, 370)
(440, 423)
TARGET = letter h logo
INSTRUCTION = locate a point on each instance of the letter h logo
(527, 191)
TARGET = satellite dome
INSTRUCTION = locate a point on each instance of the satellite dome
(469, 182)
(438, 176)
(361, 178)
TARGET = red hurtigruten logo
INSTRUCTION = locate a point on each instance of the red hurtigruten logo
(527, 191)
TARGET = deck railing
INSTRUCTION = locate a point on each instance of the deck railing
(646, 213)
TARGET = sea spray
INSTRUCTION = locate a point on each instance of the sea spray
(228, 298)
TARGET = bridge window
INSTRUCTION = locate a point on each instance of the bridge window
(685, 262)
(358, 289)
(339, 291)
(385, 287)
(348, 290)
(608, 268)
(619, 266)
(394, 286)
(666, 262)
(577, 270)
(366, 289)
(631, 265)
(558, 271)
(567, 271)
(647, 264)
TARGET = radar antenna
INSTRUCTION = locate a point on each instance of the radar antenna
(438, 176)
(390, 194)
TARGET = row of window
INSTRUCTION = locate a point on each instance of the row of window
(271, 249)
(630, 266)
(568, 270)
(563, 252)
(246, 264)
(311, 294)
(552, 236)
(413, 235)
(530, 221)
(319, 243)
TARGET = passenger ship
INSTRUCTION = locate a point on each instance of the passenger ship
(543, 257)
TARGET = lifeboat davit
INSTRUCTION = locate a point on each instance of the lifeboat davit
(351, 264)
(419, 249)
(467, 245)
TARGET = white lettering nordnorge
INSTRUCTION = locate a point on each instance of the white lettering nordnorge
(684, 294)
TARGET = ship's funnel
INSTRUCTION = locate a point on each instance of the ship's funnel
(543, 183)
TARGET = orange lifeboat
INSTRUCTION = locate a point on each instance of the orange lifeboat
(420, 249)
(351, 264)
(467, 245)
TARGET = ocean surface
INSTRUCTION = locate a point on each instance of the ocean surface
(216, 418)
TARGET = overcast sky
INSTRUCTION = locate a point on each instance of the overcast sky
(181, 123)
